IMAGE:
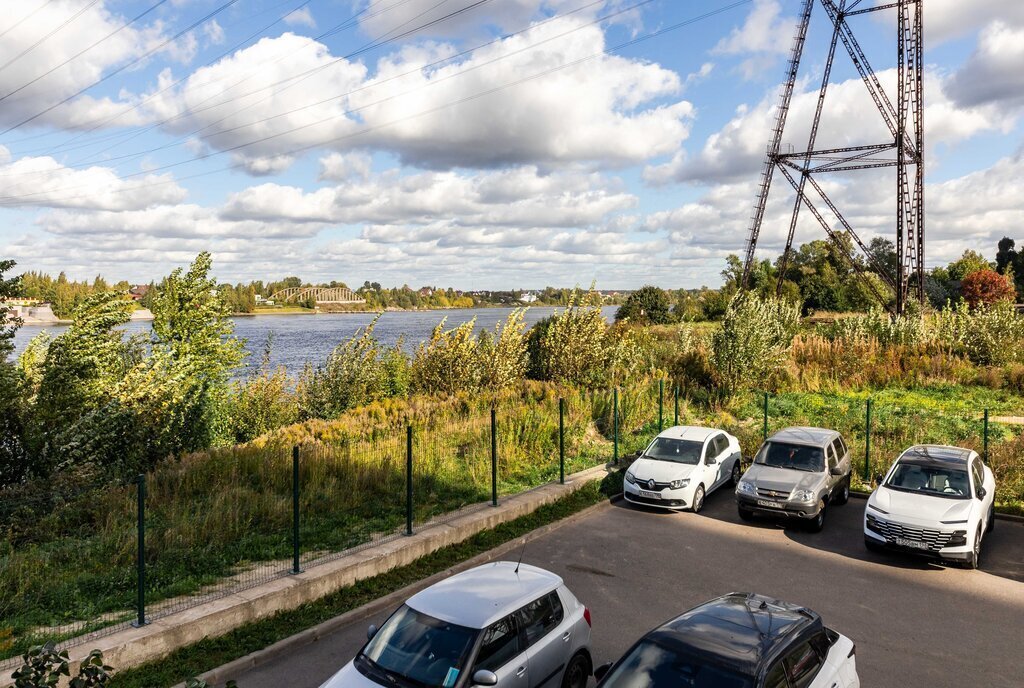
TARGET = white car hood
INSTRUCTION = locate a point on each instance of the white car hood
(660, 471)
(919, 508)
(349, 677)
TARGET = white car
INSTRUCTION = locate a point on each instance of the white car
(502, 624)
(682, 466)
(935, 501)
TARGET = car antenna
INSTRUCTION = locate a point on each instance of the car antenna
(521, 552)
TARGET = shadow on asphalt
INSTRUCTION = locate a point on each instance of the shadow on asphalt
(1002, 550)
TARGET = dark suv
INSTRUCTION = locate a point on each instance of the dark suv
(739, 640)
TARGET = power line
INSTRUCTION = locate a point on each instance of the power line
(35, 45)
(14, 200)
(120, 69)
(28, 16)
(85, 50)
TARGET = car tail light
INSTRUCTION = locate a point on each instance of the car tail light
(853, 650)
(586, 617)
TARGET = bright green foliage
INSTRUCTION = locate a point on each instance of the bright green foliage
(573, 346)
(264, 402)
(12, 450)
(987, 335)
(357, 372)
(503, 356)
(44, 667)
(970, 261)
(877, 324)
(649, 304)
(756, 333)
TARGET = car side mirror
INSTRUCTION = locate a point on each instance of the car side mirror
(981, 493)
(879, 478)
(835, 470)
(602, 671)
(483, 677)
(371, 631)
(710, 461)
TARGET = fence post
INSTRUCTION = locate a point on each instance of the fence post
(765, 417)
(140, 561)
(561, 441)
(615, 425)
(675, 418)
(985, 457)
(867, 445)
(408, 480)
(661, 404)
(295, 510)
(494, 457)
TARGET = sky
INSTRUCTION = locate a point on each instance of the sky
(477, 144)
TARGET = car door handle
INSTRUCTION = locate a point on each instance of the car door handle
(521, 671)
(565, 636)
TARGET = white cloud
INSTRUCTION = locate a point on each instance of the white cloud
(992, 74)
(213, 32)
(301, 17)
(947, 19)
(765, 33)
(337, 167)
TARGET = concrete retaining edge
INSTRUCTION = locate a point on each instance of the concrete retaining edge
(132, 647)
(311, 635)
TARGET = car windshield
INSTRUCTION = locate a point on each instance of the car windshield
(414, 649)
(651, 665)
(679, 451)
(936, 481)
(796, 456)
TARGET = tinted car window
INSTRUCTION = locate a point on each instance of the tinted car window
(776, 678)
(979, 475)
(721, 444)
(838, 448)
(802, 665)
(832, 460)
(650, 664)
(540, 617)
(680, 451)
(500, 644)
(797, 456)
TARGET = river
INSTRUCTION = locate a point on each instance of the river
(300, 338)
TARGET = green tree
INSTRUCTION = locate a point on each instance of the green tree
(649, 304)
(12, 449)
(756, 333)
(970, 261)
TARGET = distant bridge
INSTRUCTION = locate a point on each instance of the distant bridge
(318, 294)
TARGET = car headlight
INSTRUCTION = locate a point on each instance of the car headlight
(804, 496)
(957, 539)
(677, 484)
(745, 487)
(630, 478)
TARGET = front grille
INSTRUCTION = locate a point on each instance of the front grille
(935, 539)
(772, 494)
(644, 485)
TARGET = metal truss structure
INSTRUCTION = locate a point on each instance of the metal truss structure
(319, 294)
(905, 151)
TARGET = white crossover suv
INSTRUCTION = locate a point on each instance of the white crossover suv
(502, 624)
(935, 501)
(682, 466)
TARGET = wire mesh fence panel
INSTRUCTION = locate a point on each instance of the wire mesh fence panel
(66, 566)
(1006, 456)
(351, 493)
(527, 433)
(585, 445)
(216, 524)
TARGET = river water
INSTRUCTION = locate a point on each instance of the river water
(302, 338)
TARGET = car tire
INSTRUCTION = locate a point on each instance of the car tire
(991, 518)
(734, 478)
(698, 499)
(577, 673)
(843, 496)
(745, 514)
(816, 524)
(974, 558)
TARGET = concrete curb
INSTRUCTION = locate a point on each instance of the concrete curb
(311, 635)
(1013, 518)
(132, 647)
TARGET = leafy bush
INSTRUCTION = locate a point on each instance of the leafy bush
(572, 349)
(987, 334)
(264, 402)
(987, 287)
(877, 324)
(44, 667)
(752, 344)
(648, 304)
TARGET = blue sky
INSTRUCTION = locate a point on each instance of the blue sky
(494, 144)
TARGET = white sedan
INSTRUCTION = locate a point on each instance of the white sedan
(682, 466)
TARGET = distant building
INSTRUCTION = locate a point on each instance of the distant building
(138, 292)
(528, 297)
(426, 292)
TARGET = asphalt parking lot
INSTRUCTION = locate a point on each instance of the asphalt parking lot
(916, 624)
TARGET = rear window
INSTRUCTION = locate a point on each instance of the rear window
(679, 451)
(796, 456)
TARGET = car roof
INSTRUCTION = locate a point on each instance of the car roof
(696, 433)
(480, 596)
(740, 631)
(815, 437)
(937, 455)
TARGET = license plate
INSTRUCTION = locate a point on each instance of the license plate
(650, 495)
(903, 542)
(770, 505)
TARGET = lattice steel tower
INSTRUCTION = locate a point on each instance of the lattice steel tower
(905, 151)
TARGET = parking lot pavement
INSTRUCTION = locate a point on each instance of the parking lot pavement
(916, 624)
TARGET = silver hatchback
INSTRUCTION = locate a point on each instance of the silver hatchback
(502, 624)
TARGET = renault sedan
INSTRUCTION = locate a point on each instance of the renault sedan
(502, 624)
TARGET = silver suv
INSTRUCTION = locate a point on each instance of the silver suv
(796, 474)
(500, 624)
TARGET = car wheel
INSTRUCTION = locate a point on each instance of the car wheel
(698, 499)
(745, 514)
(991, 518)
(735, 477)
(577, 673)
(818, 522)
(843, 496)
(974, 558)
